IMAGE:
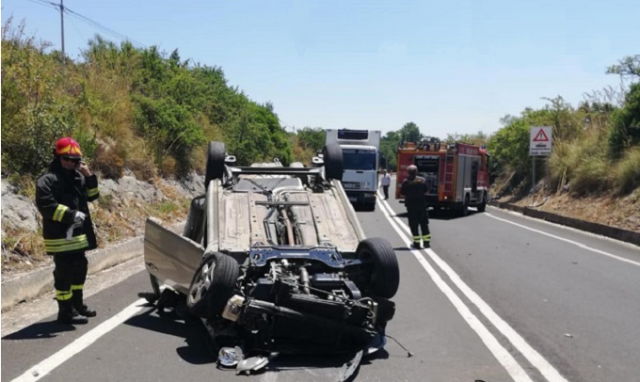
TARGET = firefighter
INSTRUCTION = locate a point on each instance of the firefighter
(413, 190)
(62, 196)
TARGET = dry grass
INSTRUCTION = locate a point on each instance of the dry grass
(627, 172)
(606, 209)
(22, 250)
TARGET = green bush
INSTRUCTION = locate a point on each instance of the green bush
(627, 172)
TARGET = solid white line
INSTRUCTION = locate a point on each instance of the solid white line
(48, 365)
(583, 246)
(562, 227)
(535, 358)
(499, 352)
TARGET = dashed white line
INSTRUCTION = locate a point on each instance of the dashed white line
(48, 365)
(583, 246)
(502, 355)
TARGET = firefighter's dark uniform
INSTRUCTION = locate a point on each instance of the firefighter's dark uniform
(414, 189)
(59, 194)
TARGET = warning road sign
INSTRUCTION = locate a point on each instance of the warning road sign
(540, 140)
(541, 137)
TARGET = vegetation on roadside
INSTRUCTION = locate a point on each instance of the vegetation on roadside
(129, 108)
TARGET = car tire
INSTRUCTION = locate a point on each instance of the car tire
(216, 154)
(212, 285)
(333, 166)
(385, 273)
(193, 228)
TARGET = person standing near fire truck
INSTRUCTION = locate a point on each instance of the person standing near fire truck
(414, 190)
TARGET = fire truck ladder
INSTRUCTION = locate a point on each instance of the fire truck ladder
(448, 173)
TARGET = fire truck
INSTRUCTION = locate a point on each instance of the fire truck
(457, 174)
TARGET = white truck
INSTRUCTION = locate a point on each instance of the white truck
(360, 151)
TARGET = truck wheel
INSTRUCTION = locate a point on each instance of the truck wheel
(384, 278)
(464, 211)
(483, 206)
(212, 285)
(332, 157)
(216, 154)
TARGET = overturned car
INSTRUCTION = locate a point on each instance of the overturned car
(273, 259)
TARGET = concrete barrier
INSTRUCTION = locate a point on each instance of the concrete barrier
(27, 286)
(583, 225)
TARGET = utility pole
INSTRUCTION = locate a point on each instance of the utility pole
(62, 30)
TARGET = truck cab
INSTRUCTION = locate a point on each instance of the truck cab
(360, 151)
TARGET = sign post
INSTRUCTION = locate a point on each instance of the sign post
(540, 144)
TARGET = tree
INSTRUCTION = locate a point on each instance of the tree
(627, 67)
(410, 132)
(312, 138)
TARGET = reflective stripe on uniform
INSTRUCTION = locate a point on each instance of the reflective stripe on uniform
(77, 287)
(63, 295)
(63, 245)
(92, 192)
(59, 213)
(416, 239)
(426, 237)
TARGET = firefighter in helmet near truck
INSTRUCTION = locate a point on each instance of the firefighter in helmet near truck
(414, 190)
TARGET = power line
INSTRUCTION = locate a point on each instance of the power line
(108, 31)
(105, 29)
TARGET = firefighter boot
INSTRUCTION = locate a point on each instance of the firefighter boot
(79, 306)
(67, 316)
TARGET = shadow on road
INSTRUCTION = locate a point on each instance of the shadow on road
(199, 349)
(40, 330)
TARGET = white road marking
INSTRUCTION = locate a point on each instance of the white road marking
(583, 246)
(502, 355)
(563, 227)
(48, 365)
(535, 358)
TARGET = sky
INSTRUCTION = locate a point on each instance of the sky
(454, 66)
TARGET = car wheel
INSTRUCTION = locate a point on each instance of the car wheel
(212, 285)
(193, 228)
(216, 154)
(384, 278)
(332, 157)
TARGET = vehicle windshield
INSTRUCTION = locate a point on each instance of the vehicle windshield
(359, 159)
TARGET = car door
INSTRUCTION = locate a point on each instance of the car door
(170, 257)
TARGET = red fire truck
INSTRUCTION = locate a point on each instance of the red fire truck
(457, 174)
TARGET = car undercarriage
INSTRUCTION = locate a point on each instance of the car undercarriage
(273, 260)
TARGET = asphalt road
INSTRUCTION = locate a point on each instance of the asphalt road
(499, 297)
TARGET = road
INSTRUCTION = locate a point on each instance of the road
(499, 297)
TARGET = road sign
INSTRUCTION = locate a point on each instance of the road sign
(541, 140)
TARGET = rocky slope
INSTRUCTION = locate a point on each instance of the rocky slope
(119, 214)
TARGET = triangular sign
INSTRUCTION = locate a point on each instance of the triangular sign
(541, 137)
